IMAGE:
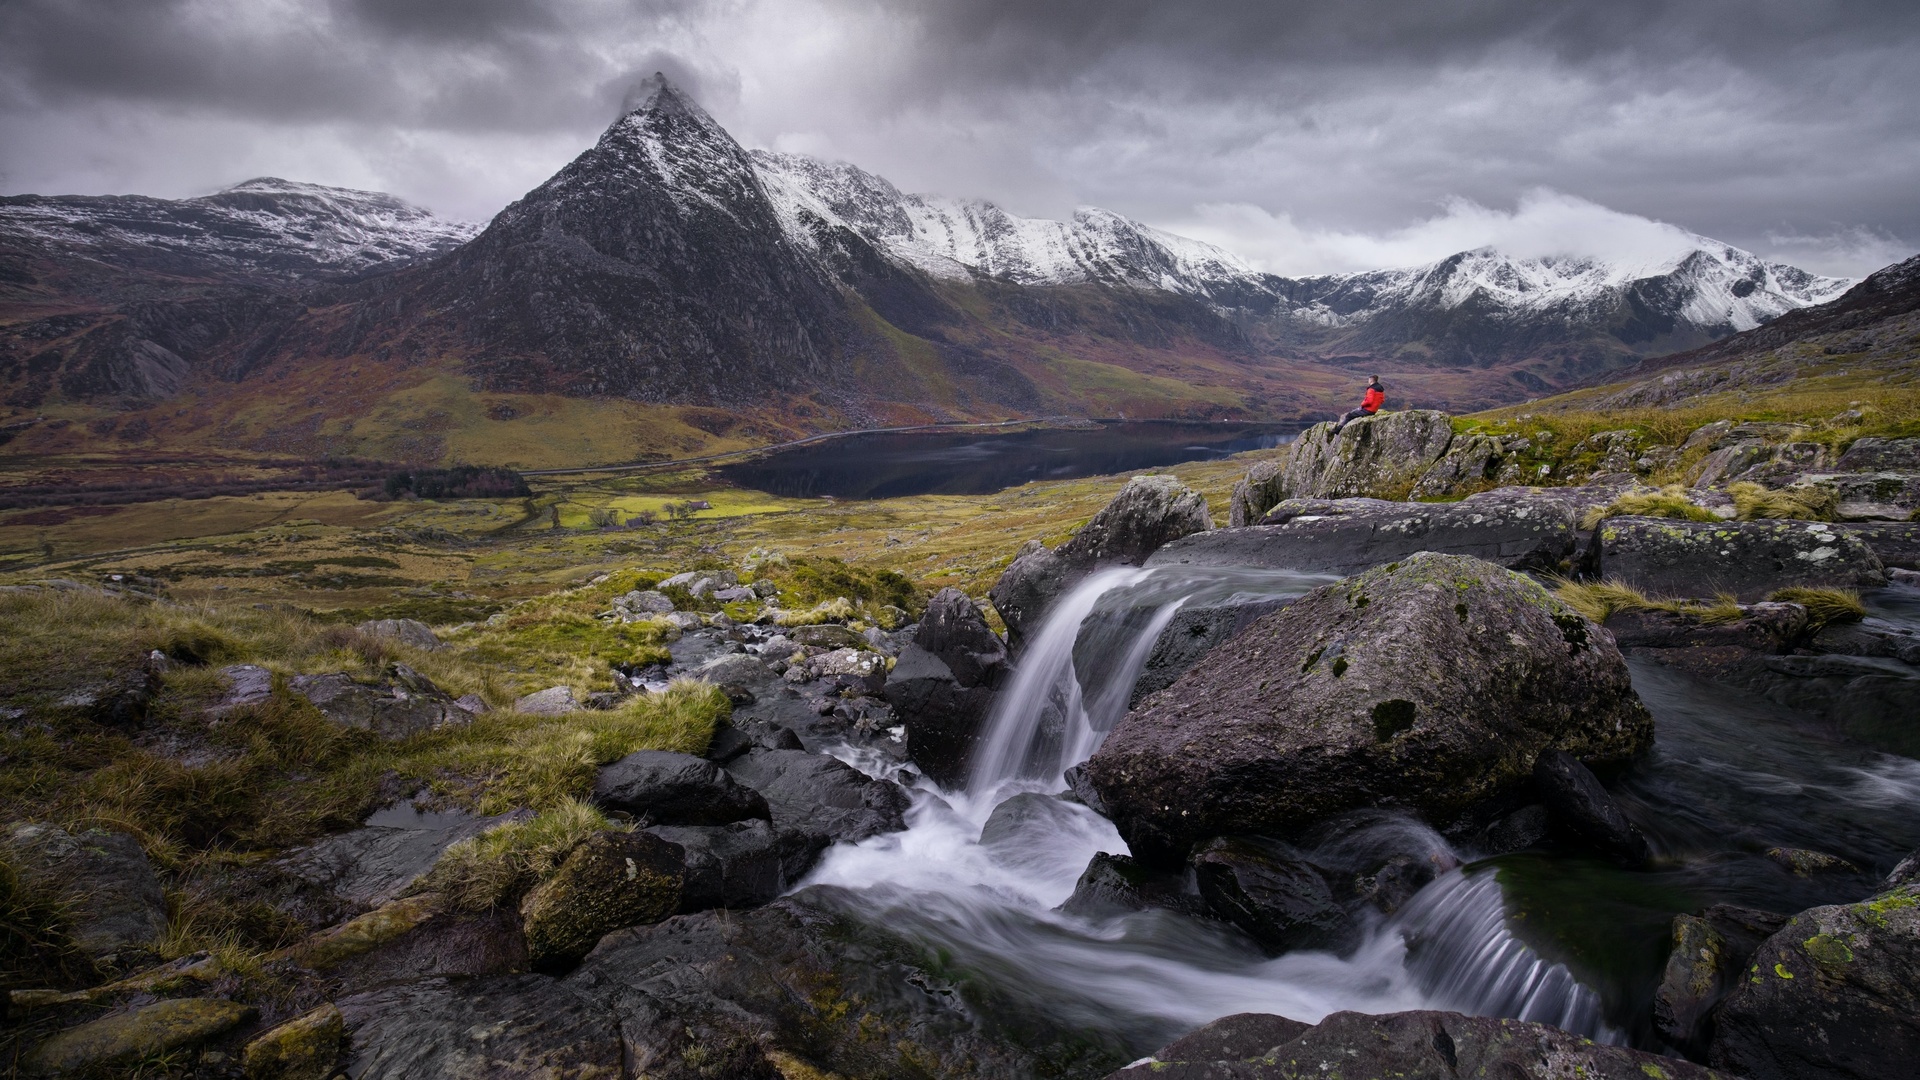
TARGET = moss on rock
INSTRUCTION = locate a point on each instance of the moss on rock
(611, 880)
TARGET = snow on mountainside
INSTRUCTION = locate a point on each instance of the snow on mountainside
(1712, 286)
(263, 225)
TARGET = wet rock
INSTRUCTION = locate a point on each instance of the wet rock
(247, 685)
(403, 704)
(1240, 1037)
(1024, 818)
(954, 630)
(1895, 545)
(553, 701)
(1748, 559)
(1831, 995)
(1388, 888)
(114, 897)
(1804, 863)
(405, 631)
(1517, 831)
(1256, 493)
(1117, 884)
(1344, 536)
(1081, 788)
(1191, 634)
(1415, 1044)
(1380, 690)
(816, 796)
(942, 686)
(665, 788)
(1906, 873)
(479, 1029)
(307, 1047)
(1710, 951)
(1866, 697)
(413, 938)
(729, 742)
(1277, 899)
(146, 1031)
(375, 864)
(1765, 627)
(727, 866)
(1868, 637)
(1583, 810)
(1381, 456)
(1149, 512)
(608, 881)
(715, 995)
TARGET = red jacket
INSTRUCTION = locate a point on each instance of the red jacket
(1375, 398)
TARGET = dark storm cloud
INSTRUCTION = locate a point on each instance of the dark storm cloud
(1761, 122)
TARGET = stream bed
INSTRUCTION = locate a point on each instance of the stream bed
(1542, 934)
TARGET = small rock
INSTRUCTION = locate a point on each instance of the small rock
(473, 703)
(644, 602)
(247, 685)
(1580, 805)
(553, 701)
(406, 631)
(126, 1037)
(1279, 901)
(305, 1048)
(1521, 829)
(609, 880)
(404, 704)
(1805, 863)
(667, 788)
(827, 636)
(738, 865)
(1116, 884)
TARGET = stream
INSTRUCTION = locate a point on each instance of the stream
(1544, 934)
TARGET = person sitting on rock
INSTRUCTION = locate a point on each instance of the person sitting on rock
(1375, 397)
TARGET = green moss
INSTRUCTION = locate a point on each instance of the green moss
(1827, 950)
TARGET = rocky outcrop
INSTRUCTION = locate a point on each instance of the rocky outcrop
(1429, 685)
(1408, 1044)
(727, 866)
(1875, 455)
(608, 881)
(1379, 456)
(1532, 529)
(817, 800)
(943, 685)
(1257, 492)
(1894, 544)
(1116, 884)
(370, 866)
(479, 1029)
(112, 895)
(405, 631)
(1190, 635)
(1831, 995)
(1748, 559)
(403, 703)
(661, 787)
(1149, 512)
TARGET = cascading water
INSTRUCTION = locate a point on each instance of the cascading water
(1146, 977)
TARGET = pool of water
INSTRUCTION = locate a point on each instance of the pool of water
(972, 463)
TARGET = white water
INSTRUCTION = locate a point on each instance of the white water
(1149, 976)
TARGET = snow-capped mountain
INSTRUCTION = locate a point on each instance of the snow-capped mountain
(266, 225)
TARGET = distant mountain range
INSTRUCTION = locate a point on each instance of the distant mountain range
(671, 267)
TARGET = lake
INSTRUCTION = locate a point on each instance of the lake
(973, 463)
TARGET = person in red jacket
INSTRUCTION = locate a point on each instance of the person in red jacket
(1376, 396)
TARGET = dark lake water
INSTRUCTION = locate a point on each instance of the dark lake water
(970, 463)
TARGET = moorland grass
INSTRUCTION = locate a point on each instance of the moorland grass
(1824, 605)
(1599, 600)
(1668, 502)
(1752, 502)
(507, 860)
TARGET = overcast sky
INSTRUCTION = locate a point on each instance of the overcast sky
(1311, 137)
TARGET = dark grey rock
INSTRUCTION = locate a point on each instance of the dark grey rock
(943, 716)
(1831, 995)
(828, 636)
(1868, 637)
(479, 1029)
(1517, 831)
(1024, 818)
(1894, 544)
(1906, 873)
(1117, 884)
(447, 944)
(1276, 898)
(1240, 1037)
(246, 685)
(1764, 627)
(1344, 536)
(1376, 691)
(954, 630)
(1582, 809)
(1424, 1045)
(1873, 454)
(664, 788)
(114, 897)
(1748, 559)
(376, 864)
(728, 866)
(406, 631)
(820, 797)
(1256, 493)
(402, 704)
(1191, 634)
(1081, 788)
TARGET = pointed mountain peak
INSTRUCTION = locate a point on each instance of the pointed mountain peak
(658, 96)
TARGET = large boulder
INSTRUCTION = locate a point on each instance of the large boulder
(401, 704)
(1190, 635)
(1437, 1045)
(1517, 528)
(608, 881)
(1748, 559)
(1833, 995)
(1874, 454)
(1470, 464)
(1149, 512)
(667, 788)
(943, 685)
(1428, 685)
(1380, 456)
(1257, 492)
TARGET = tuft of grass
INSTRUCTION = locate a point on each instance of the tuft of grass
(1667, 502)
(1600, 600)
(1824, 606)
(1753, 502)
(500, 865)
(34, 947)
(507, 760)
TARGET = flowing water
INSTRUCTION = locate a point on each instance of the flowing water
(1542, 935)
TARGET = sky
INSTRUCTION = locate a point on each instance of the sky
(1309, 137)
